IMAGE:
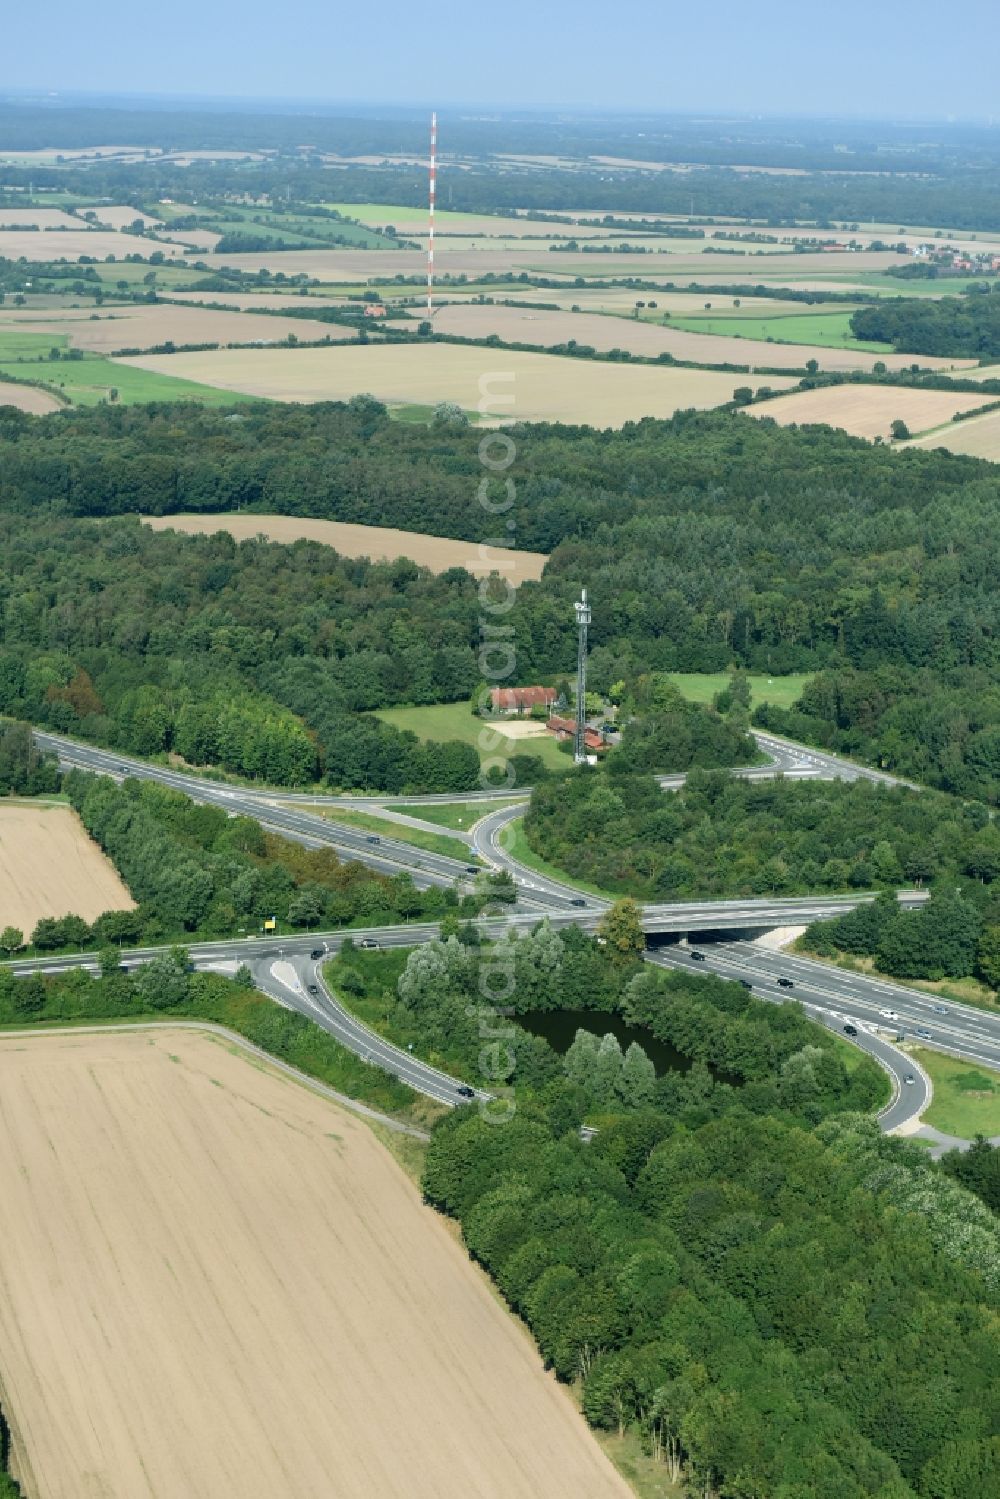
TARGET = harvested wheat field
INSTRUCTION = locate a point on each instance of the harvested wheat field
(145, 327)
(380, 543)
(217, 1284)
(28, 398)
(49, 867)
(979, 437)
(70, 244)
(498, 382)
(869, 410)
(530, 325)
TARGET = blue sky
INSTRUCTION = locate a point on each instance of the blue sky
(913, 58)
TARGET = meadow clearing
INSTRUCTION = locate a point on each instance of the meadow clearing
(702, 686)
(28, 398)
(495, 739)
(381, 543)
(217, 1283)
(501, 383)
(533, 325)
(50, 867)
(869, 410)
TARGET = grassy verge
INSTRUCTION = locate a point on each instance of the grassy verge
(370, 994)
(434, 843)
(782, 692)
(967, 991)
(520, 849)
(966, 1096)
(647, 1478)
(460, 815)
(456, 721)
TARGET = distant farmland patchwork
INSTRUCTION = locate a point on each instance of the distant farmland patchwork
(502, 384)
(218, 1284)
(381, 543)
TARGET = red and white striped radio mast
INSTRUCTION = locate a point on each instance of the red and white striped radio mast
(430, 233)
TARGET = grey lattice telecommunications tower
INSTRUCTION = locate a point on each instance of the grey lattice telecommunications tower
(582, 621)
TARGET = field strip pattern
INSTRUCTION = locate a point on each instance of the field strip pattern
(213, 1283)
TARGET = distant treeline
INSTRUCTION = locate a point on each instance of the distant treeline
(967, 326)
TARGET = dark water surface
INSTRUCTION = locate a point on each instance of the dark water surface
(559, 1028)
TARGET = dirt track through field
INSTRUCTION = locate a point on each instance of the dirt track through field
(381, 543)
(215, 1284)
(50, 867)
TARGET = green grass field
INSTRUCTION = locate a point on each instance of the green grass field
(135, 272)
(88, 381)
(434, 843)
(460, 815)
(701, 687)
(517, 845)
(829, 330)
(455, 721)
(399, 214)
(966, 1097)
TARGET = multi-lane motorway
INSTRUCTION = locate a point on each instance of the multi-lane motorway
(875, 1009)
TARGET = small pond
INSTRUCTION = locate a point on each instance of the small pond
(559, 1028)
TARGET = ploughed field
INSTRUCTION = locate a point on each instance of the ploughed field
(215, 1283)
(50, 867)
(380, 543)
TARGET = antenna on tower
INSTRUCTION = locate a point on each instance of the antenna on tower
(582, 621)
(430, 231)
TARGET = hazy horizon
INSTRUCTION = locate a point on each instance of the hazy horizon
(894, 61)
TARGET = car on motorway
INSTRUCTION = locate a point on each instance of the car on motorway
(368, 943)
(784, 983)
(578, 900)
(374, 838)
(888, 1014)
(465, 1091)
(923, 1033)
(472, 869)
(850, 1030)
(696, 956)
(314, 988)
(317, 952)
(746, 983)
(909, 1079)
(940, 1009)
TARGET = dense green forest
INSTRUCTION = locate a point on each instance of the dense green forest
(956, 934)
(967, 326)
(778, 1311)
(938, 724)
(704, 540)
(727, 1265)
(723, 835)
